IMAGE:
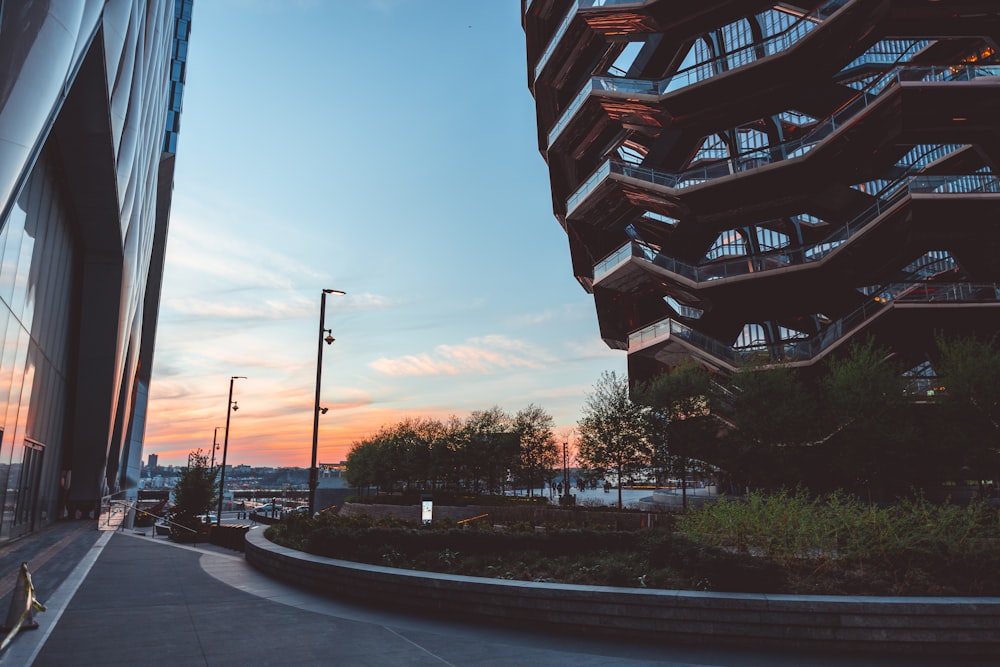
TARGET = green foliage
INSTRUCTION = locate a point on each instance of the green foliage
(786, 542)
(775, 406)
(195, 490)
(539, 452)
(679, 417)
(854, 423)
(612, 431)
(194, 493)
(969, 398)
(835, 544)
(477, 454)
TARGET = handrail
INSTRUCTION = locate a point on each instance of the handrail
(782, 258)
(571, 13)
(106, 509)
(683, 179)
(689, 75)
(164, 519)
(757, 158)
(809, 348)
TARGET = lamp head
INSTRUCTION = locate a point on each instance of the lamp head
(329, 339)
(323, 411)
(235, 407)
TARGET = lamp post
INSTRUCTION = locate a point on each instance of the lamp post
(328, 339)
(215, 446)
(231, 407)
(565, 470)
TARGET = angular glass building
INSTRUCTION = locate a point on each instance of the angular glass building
(90, 98)
(750, 181)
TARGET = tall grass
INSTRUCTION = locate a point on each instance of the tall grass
(791, 525)
(785, 542)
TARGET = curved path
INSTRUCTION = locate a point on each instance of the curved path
(137, 600)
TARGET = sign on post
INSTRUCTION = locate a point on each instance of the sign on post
(426, 508)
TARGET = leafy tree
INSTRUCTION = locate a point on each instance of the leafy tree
(775, 418)
(445, 449)
(868, 414)
(612, 430)
(539, 452)
(680, 414)
(195, 490)
(969, 371)
(488, 454)
(360, 471)
(411, 441)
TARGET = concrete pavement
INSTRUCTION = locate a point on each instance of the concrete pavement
(125, 599)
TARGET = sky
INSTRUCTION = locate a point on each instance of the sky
(386, 148)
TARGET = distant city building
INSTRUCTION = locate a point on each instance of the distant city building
(90, 95)
(332, 469)
(767, 182)
(154, 459)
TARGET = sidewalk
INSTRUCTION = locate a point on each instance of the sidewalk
(134, 600)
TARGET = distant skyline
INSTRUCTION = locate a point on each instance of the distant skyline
(386, 148)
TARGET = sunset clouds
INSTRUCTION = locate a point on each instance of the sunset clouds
(305, 170)
(484, 355)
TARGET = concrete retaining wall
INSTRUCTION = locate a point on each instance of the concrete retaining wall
(944, 626)
(536, 515)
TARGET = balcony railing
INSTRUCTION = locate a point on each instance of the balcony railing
(703, 71)
(778, 259)
(757, 158)
(568, 19)
(809, 348)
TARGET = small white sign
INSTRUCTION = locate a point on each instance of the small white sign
(426, 510)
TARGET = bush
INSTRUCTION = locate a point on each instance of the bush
(783, 543)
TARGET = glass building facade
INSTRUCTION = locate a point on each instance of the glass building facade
(90, 95)
(762, 182)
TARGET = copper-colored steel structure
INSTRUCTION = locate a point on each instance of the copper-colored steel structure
(765, 182)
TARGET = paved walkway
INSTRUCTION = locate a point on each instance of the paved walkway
(126, 599)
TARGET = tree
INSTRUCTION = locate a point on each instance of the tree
(969, 371)
(487, 453)
(868, 414)
(539, 452)
(776, 424)
(680, 414)
(612, 430)
(195, 490)
(360, 471)
(445, 452)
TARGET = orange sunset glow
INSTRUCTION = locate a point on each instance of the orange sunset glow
(437, 224)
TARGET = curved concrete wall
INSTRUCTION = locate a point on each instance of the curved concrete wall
(946, 626)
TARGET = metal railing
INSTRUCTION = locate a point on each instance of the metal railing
(809, 348)
(160, 518)
(689, 76)
(846, 115)
(113, 511)
(568, 19)
(683, 179)
(779, 259)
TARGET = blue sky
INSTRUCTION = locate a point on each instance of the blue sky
(386, 148)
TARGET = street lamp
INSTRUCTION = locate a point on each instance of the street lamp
(215, 445)
(231, 407)
(328, 339)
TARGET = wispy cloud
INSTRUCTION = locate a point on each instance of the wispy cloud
(592, 348)
(482, 355)
(266, 310)
(565, 313)
(385, 7)
(197, 250)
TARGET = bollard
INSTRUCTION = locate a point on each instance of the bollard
(23, 606)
